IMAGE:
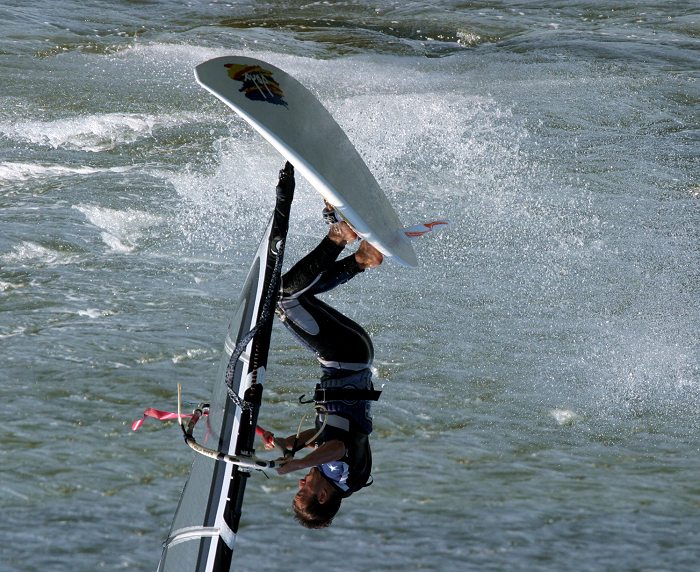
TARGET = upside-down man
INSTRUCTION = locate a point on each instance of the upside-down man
(341, 460)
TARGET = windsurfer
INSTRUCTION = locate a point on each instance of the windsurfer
(341, 461)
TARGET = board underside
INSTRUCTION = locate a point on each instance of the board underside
(292, 119)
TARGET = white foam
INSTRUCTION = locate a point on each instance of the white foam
(563, 416)
(115, 244)
(91, 313)
(189, 354)
(218, 204)
(121, 229)
(5, 286)
(31, 251)
(19, 331)
(94, 133)
(650, 366)
(11, 171)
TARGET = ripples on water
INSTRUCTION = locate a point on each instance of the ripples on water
(542, 384)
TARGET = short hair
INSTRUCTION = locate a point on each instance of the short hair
(316, 514)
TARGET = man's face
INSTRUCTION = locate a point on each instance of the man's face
(309, 487)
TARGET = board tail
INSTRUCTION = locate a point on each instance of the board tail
(422, 229)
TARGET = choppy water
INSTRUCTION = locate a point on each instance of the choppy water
(542, 384)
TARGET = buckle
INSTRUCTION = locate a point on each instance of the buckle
(330, 216)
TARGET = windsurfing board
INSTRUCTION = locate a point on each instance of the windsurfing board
(292, 119)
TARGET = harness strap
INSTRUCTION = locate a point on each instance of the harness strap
(323, 395)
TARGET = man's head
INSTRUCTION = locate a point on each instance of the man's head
(317, 501)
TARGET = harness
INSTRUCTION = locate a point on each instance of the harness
(326, 395)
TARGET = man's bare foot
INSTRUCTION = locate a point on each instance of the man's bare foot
(367, 256)
(341, 233)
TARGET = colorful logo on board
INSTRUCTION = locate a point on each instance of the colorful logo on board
(258, 83)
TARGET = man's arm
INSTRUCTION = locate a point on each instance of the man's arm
(330, 451)
(304, 436)
(288, 442)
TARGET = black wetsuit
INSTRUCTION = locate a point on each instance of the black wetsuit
(345, 352)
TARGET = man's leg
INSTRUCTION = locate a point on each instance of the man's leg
(319, 271)
(333, 337)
